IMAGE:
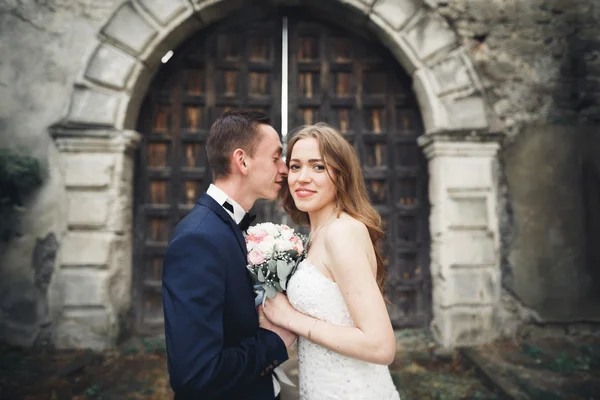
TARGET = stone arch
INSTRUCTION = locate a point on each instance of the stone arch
(96, 138)
(140, 32)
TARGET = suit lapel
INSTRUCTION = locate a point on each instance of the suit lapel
(207, 201)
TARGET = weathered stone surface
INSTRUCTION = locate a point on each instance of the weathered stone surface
(467, 113)
(129, 29)
(469, 248)
(92, 329)
(547, 255)
(468, 286)
(165, 11)
(18, 312)
(86, 248)
(468, 212)
(452, 73)
(88, 210)
(93, 107)
(84, 286)
(461, 173)
(464, 326)
(396, 12)
(110, 67)
(88, 170)
(433, 113)
(429, 36)
(44, 257)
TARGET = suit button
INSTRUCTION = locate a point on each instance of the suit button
(275, 362)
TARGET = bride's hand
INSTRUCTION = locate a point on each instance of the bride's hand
(279, 310)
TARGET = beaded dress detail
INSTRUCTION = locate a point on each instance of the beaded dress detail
(324, 374)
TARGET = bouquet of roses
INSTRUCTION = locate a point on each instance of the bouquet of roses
(274, 252)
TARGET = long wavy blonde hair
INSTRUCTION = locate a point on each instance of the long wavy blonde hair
(351, 192)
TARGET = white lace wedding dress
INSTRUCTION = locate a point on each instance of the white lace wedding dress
(324, 374)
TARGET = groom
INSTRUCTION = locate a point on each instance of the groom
(216, 347)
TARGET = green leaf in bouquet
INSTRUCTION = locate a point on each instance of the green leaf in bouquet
(278, 286)
(270, 291)
(253, 275)
(272, 265)
(261, 276)
(292, 254)
(283, 283)
(283, 269)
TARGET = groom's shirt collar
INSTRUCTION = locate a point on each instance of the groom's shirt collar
(221, 197)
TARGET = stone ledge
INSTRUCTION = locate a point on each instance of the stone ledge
(460, 144)
(96, 141)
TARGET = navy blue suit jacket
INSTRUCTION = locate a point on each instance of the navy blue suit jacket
(215, 348)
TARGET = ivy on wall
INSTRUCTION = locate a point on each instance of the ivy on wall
(20, 176)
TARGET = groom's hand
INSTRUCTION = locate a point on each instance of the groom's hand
(288, 337)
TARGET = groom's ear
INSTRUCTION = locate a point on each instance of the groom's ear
(239, 161)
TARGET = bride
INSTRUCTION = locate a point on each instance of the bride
(335, 302)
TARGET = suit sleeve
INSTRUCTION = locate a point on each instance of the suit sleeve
(193, 299)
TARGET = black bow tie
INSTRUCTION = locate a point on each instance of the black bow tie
(245, 222)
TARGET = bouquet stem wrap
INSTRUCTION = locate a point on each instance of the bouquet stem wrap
(274, 252)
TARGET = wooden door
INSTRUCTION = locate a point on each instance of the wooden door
(335, 76)
(354, 84)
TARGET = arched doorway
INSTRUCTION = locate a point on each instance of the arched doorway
(334, 75)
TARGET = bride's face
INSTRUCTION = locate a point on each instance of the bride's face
(310, 184)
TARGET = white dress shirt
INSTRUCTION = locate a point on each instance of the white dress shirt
(221, 197)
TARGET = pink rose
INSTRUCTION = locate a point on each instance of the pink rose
(256, 257)
(260, 235)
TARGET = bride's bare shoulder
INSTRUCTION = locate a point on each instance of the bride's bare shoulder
(346, 227)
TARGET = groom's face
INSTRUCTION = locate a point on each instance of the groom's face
(266, 169)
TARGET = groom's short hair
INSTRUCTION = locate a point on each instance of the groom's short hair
(232, 130)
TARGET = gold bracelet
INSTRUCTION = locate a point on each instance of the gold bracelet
(310, 330)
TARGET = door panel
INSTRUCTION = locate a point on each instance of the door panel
(356, 85)
(234, 65)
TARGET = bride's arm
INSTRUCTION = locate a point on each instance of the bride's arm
(350, 259)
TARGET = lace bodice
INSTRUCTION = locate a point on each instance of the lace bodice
(324, 374)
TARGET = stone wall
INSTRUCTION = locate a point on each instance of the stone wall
(539, 61)
(43, 48)
(539, 64)
(547, 257)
